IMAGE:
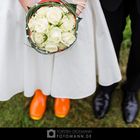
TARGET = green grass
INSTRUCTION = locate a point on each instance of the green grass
(14, 113)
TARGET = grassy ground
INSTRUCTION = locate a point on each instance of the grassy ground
(14, 113)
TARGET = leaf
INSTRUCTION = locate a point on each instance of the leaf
(79, 19)
(72, 7)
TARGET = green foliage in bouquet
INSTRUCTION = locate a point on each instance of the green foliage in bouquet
(33, 10)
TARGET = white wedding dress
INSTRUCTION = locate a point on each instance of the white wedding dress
(70, 74)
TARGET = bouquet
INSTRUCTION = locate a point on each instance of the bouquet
(51, 26)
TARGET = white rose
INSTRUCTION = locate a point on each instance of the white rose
(38, 38)
(68, 38)
(41, 25)
(61, 46)
(65, 10)
(68, 23)
(51, 47)
(42, 46)
(42, 12)
(32, 23)
(54, 15)
(55, 35)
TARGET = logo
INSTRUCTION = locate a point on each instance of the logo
(51, 133)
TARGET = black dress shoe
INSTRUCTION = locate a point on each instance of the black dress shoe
(130, 106)
(101, 103)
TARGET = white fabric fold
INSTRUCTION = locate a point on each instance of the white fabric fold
(70, 74)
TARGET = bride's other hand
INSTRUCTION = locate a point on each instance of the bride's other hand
(27, 3)
(80, 5)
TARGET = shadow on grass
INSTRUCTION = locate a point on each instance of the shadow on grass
(14, 113)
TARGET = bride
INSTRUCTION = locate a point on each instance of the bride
(71, 74)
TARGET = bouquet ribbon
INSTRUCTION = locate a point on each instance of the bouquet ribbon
(59, 1)
(42, 1)
(24, 4)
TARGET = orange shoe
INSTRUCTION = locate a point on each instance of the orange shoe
(61, 107)
(38, 105)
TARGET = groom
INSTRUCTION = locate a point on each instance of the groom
(116, 12)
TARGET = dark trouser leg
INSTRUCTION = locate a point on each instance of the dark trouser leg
(116, 21)
(133, 68)
(130, 105)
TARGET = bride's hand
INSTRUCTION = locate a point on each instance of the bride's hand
(27, 3)
(80, 5)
